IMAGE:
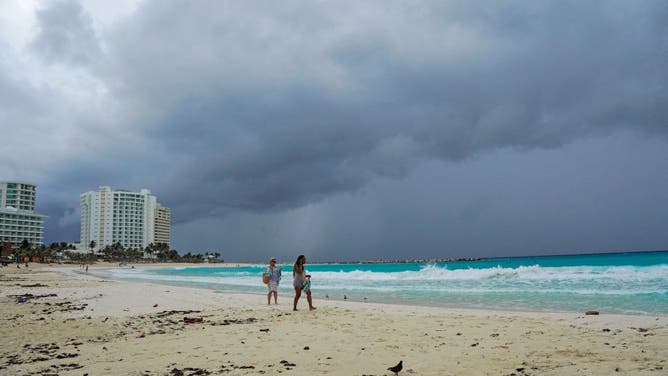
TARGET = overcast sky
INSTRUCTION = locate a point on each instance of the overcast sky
(347, 130)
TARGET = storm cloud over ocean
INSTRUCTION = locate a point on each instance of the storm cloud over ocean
(355, 129)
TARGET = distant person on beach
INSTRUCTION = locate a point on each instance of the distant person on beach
(274, 275)
(302, 281)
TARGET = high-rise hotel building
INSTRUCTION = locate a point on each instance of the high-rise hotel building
(162, 225)
(134, 219)
(18, 220)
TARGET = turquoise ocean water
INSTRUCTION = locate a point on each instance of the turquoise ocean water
(627, 283)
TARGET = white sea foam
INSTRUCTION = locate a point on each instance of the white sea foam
(528, 273)
(616, 288)
(433, 273)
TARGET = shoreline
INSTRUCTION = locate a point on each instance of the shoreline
(360, 297)
(94, 322)
(399, 307)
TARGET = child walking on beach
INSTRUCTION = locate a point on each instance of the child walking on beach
(301, 282)
(274, 275)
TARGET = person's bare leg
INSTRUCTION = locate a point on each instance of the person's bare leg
(298, 293)
(275, 297)
(269, 298)
(310, 301)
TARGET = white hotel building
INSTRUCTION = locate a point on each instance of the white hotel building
(18, 220)
(118, 216)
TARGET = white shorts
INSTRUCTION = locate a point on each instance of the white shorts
(272, 286)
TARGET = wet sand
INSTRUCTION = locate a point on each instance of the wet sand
(61, 321)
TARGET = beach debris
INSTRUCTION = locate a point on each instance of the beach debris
(38, 353)
(396, 369)
(25, 297)
(189, 371)
(155, 305)
(68, 367)
(66, 355)
(306, 348)
(33, 285)
(265, 330)
(591, 313)
(169, 313)
(249, 320)
(192, 320)
(141, 335)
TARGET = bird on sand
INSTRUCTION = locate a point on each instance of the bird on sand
(397, 368)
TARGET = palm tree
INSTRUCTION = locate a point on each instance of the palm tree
(173, 255)
(25, 245)
(150, 249)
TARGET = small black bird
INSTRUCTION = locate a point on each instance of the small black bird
(397, 368)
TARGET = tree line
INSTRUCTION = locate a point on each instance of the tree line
(61, 251)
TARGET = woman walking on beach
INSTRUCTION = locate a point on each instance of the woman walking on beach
(301, 282)
(274, 275)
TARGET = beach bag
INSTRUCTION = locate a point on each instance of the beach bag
(265, 278)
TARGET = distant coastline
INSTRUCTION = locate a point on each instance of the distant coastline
(475, 259)
(405, 261)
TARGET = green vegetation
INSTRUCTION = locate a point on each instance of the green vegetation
(64, 252)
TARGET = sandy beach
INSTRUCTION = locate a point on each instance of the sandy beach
(58, 320)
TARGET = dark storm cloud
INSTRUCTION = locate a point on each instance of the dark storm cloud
(65, 34)
(262, 111)
(265, 109)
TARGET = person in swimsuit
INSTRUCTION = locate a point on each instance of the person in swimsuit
(302, 281)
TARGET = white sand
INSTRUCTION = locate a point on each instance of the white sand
(120, 331)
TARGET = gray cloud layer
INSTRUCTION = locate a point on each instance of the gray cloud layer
(263, 107)
(65, 35)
